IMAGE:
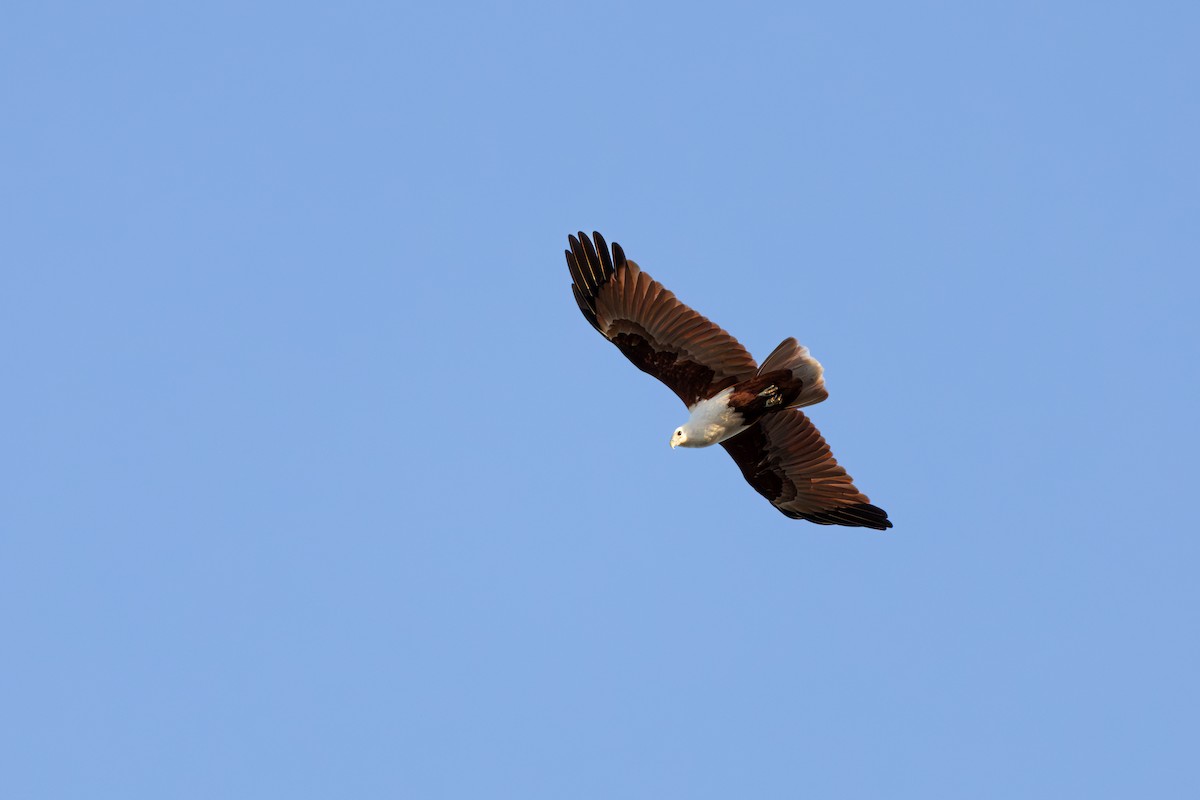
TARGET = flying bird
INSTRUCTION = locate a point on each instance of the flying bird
(752, 411)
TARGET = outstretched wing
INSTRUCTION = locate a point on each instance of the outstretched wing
(785, 458)
(660, 335)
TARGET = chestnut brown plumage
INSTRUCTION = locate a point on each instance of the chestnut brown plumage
(785, 458)
(660, 335)
(779, 451)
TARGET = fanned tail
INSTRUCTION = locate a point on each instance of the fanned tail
(793, 356)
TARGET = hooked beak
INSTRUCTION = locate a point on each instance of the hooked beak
(673, 442)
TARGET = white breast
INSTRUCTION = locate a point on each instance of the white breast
(713, 421)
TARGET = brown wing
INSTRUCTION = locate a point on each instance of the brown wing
(786, 460)
(660, 335)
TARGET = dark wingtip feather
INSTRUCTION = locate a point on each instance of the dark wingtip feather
(602, 247)
(577, 275)
(594, 263)
(860, 515)
(590, 266)
(584, 305)
(618, 255)
(591, 281)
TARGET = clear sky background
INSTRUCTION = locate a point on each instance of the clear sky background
(315, 483)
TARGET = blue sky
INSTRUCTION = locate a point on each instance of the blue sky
(315, 483)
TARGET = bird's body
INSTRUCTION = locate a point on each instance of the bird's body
(751, 411)
(733, 410)
(712, 421)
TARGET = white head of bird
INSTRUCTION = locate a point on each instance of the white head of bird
(678, 437)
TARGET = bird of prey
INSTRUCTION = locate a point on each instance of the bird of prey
(750, 410)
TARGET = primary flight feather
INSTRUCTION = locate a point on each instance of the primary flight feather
(751, 411)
